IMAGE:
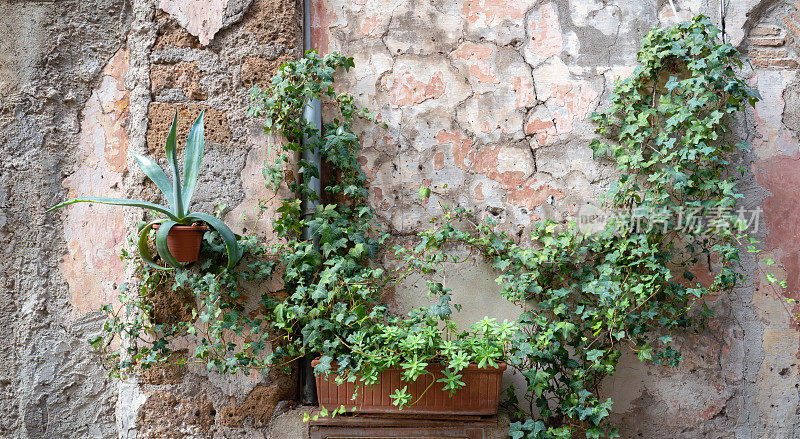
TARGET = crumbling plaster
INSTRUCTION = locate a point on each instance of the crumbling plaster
(188, 59)
(488, 97)
(492, 99)
(55, 86)
(83, 83)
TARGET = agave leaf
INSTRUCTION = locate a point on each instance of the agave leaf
(119, 202)
(155, 173)
(161, 244)
(192, 156)
(171, 148)
(144, 250)
(231, 246)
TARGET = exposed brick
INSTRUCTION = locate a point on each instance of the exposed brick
(170, 306)
(274, 22)
(171, 373)
(260, 404)
(769, 42)
(791, 24)
(764, 31)
(788, 63)
(184, 76)
(766, 53)
(160, 115)
(779, 63)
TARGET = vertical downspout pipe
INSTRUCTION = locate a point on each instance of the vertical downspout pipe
(312, 114)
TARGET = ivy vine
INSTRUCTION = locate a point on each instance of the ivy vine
(335, 307)
(586, 297)
(590, 297)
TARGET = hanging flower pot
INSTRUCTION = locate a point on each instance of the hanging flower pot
(176, 243)
(184, 241)
(479, 396)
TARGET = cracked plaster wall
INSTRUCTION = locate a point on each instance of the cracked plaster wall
(55, 82)
(492, 99)
(188, 56)
(81, 84)
(489, 97)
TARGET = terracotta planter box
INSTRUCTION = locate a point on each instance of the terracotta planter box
(184, 242)
(480, 395)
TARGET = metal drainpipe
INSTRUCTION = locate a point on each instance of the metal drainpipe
(311, 113)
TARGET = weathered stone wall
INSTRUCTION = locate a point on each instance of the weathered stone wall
(82, 84)
(490, 97)
(54, 82)
(188, 57)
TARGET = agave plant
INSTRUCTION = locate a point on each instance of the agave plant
(178, 194)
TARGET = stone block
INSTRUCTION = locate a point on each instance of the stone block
(168, 416)
(160, 115)
(184, 76)
(258, 71)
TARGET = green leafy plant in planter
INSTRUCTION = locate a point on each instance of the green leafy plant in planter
(589, 297)
(178, 194)
(586, 297)
(334, 282)
(330, 303)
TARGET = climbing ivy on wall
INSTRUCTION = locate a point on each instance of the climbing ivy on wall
(335, 308)
(587, 297)
(591, 297)
(331, 301)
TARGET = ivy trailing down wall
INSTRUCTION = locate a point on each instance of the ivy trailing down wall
(591, 296)
(587, 296)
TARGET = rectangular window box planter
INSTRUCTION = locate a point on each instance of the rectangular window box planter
(480, 395)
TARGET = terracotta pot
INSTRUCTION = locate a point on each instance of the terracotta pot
(184, 241)
(480, 395)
